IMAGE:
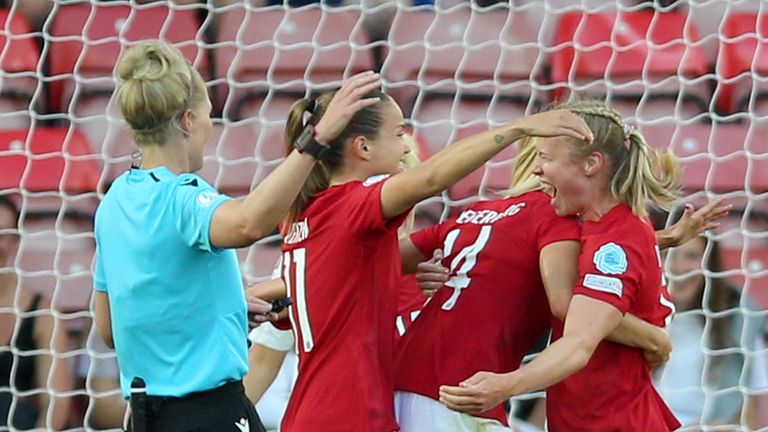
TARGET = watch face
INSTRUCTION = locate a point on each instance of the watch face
(304, 137)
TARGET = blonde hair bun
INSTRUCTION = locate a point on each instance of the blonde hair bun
(157, 85)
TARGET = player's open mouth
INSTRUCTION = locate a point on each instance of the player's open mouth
(549, 189)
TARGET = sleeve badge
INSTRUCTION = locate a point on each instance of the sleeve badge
(610, 259)
(206, 198)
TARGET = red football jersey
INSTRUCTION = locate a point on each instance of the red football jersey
(494, 308)
(619, 264)
(341, 266)
(410, 301)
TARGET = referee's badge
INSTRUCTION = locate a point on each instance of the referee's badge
(206, 198)
(610, 259)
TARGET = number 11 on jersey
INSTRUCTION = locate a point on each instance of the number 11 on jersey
(295, 263)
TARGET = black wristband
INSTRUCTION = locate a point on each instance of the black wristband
(306, 143)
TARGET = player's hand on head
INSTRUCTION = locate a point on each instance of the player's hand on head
(480, 393)
(259, 311)
(345, 103)
(555, 123)
(694, 222)
(431, 275)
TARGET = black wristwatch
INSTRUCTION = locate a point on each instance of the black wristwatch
(306, 143)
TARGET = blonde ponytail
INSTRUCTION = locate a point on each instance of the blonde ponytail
(647, 175)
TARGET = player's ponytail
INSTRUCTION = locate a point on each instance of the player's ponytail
(318, 179)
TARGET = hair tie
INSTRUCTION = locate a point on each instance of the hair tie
(309, 111)
(628, 129)
(311, 106)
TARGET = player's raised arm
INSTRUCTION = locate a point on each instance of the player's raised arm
(464, 156)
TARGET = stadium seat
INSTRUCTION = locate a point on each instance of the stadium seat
(483, 182)
(238, 158)
(722, 157)
(267, 53)
(440, 120)
(464, 51)
(20, 89)
(459, 71)
(47, 159)
(635, 58)
(437, 117)
(86, 42)
(56, 255)
(743, 52)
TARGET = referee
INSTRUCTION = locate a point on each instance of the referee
(168, 292)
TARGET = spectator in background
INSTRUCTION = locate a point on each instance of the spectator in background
(106, 405)
(719, 353)
(27, 326)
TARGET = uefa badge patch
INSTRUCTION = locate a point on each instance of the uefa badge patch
(610, 259)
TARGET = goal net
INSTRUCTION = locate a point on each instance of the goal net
(690, 75)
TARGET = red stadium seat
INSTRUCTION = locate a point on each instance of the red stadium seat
(436, 119)
(241, 154)
(86, 42)
(268, 51)
(47, 159)
(19, 58)
(460, 71)
(440, 121)
(630, 55)
(719, 158)
(461, 50)
(483, 182)
(230, 163)
(743, 53)
(56, 257)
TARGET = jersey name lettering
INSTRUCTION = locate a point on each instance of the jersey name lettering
(483, 217)
(299, 232)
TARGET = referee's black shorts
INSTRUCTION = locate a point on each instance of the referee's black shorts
(222, 409)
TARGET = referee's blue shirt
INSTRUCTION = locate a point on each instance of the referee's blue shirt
(177, 302)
